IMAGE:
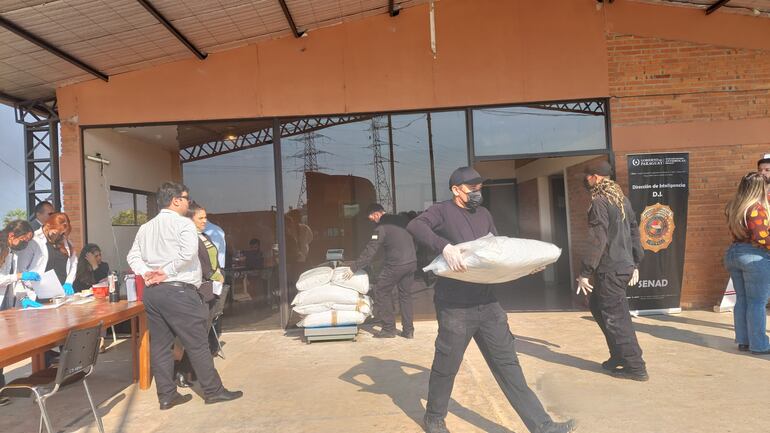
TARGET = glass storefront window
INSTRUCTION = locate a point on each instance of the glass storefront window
(427, 148)
(238, 192)
(330, 177)
(526, 130)
(450, 148)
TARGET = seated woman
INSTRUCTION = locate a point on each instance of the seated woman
(212, 278)
(91, 268)
(57, 251)
(13, 238)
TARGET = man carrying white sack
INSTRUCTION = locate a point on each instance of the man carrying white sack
(468, 310)
(397, 273)
(613, 259)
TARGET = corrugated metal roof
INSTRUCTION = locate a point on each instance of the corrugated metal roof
(116, 36)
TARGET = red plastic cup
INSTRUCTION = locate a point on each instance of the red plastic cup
(100, 291)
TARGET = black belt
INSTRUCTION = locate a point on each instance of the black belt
(179, 284)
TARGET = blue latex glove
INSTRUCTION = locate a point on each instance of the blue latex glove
(30, 276)
(29, 303)
(68, 290)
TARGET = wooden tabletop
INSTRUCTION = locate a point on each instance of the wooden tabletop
(25, 332)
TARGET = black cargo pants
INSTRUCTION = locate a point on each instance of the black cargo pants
(174, 311)
(609, 306)
(488, 325)
(395, 278)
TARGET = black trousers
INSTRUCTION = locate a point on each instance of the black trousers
(184, 365)
(609, 306)
(488, 325)
(179, 312)
(391, 279)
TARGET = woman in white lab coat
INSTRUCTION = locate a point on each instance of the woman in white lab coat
(56, 250)
(13, 238)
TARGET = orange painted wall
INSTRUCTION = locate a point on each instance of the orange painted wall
(488, 52)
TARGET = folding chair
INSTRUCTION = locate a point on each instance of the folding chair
(76, 363)
(217, 313)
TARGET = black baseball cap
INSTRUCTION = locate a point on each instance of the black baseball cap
(602, 168)
(765, 159)
(374, 207)
(465, 176)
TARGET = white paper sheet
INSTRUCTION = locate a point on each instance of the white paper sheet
(49, 286)
(217, 289)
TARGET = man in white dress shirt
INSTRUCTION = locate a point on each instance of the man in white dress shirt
(165, 253)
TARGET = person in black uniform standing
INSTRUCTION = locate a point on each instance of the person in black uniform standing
(468, 310)
(397, 272)
(613, 261)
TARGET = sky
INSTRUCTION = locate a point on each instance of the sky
(11, 162)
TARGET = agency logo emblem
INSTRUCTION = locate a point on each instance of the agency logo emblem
(657, 227)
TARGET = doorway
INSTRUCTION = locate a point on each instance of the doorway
(530, 198)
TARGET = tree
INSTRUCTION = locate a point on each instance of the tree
(124, 218)
(14, 214)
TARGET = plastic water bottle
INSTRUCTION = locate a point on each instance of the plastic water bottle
(112, 279)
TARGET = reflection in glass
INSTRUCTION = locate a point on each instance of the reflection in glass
(414, 183)
(526, 130)
(329, 180)
(238, 192)
(427, 148)
(122, 206)
(450, 148)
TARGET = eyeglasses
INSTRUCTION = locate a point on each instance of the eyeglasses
(186, 197)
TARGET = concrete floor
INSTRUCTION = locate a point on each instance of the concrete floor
(699, 383)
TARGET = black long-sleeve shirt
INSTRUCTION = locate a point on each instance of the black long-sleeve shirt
(394, 240)
(446, 223)
(614, 242)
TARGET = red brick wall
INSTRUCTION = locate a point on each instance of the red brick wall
(659, 81)
(529, 212)
(655, 81)
(70, 167)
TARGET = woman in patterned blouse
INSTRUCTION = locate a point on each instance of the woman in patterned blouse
(748, 261)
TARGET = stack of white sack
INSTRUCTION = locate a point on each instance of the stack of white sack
(498, 259)
(325, 298)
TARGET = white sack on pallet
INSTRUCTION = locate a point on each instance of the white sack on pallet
(327, 293)
(364, 305)
(332, 318)
(315, 277)
(498, 259)
(358, 282)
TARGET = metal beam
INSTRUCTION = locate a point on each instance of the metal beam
(392, 9)
(713, 8)
(10, 98)
(170, 27)
(595, 108)
(38, 112)
(18, 31)
(287, 14)
(263, 137)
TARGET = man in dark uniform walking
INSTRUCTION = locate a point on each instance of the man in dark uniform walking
(613, 260)
(468, 310)
(397, 272)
